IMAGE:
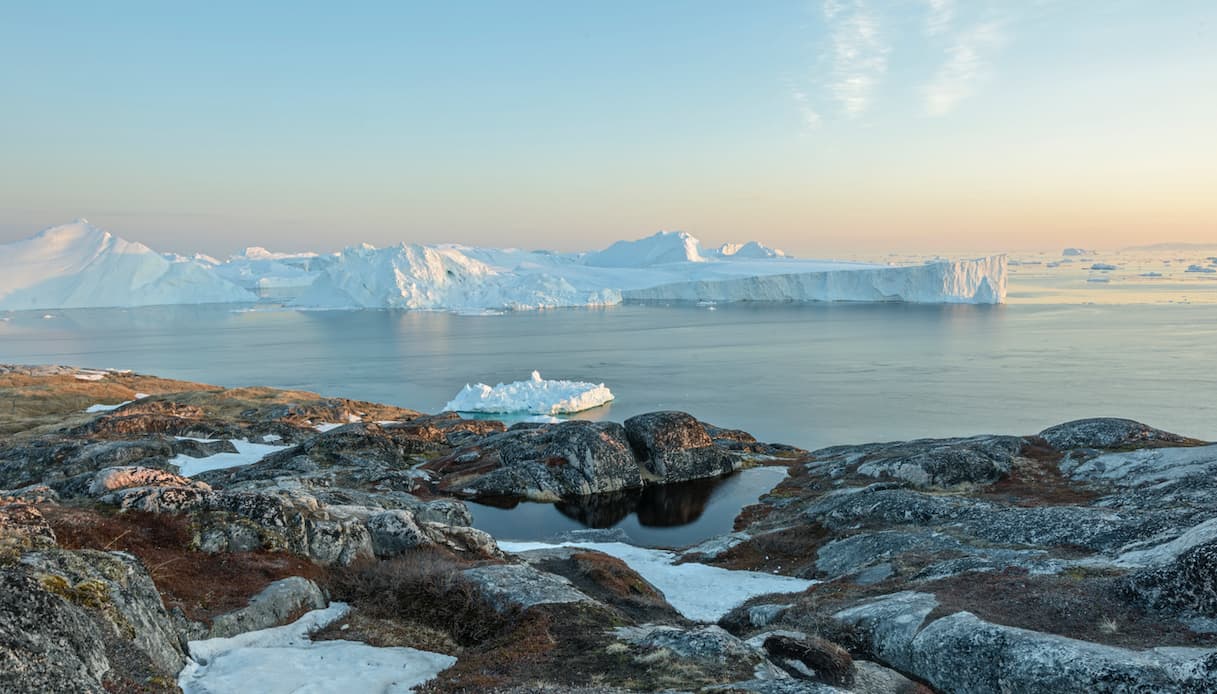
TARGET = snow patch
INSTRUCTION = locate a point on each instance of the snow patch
(534, 396)
(698, 591)
(247, 453)
(94, 409)
(284, 659)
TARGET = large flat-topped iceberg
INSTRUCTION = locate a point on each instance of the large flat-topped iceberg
(980, 281)
(534, 396)
(80, 266)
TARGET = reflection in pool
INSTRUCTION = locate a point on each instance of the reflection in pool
(674, 515)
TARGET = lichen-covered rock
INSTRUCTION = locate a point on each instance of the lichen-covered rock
(890, 623)
(54, 460)
(519, 585)
(285, 519)
(851, 555)
(159, 499)
(963, 653)
(276, 604)
(115, 478)
(22, 527)
(461, 539)
(546, 463)
(675, 447)
(47, 643)
(117, 587)
(1107, 433)
(394, 533)
(706, 643)
(882, 506)
(938, 462)
(1188, 583)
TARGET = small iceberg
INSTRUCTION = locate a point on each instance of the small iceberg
(534, 396)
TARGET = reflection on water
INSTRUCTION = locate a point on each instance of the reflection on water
(662, 506)
(674, 515)
(810, 375)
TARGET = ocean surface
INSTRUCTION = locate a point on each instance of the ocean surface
(809, 375)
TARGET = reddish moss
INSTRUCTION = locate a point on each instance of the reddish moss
(202, 585)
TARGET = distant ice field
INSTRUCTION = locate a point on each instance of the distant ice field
(810, 375)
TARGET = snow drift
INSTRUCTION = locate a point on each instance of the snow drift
(80, 266)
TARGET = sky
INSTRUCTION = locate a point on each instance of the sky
(820, 127)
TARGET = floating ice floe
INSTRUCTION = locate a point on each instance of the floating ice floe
(284, 659)
(698, 591)
(534, 396)
(247, 454)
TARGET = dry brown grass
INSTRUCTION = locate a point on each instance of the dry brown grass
(36, 402)
(425, 587)
(789, 551)
(40, 404)
(1078, 604)
(202, 585)
(1035, 479)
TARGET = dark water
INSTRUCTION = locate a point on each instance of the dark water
(674, 515)
(809, 375)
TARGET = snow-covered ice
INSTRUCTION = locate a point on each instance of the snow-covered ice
(78, 265)
(698, 591)
(534, 396)
(284, 659)
(247, 454)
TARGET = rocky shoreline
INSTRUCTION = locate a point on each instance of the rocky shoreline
(1082, 558)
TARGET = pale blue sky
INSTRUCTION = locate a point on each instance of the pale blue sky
(820, 127)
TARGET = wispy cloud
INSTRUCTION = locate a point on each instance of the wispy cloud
(965, 69)
(941, 14)
(858, 55)
(811, 117)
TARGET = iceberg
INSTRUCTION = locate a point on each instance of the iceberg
(534, 396)
(661, 248)
(80, 266)
(981, 281)
(752, 249)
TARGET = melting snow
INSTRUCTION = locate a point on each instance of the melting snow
(534, 396)
(698, 591)
(284, 659)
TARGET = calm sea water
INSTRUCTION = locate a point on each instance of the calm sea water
(809, 375)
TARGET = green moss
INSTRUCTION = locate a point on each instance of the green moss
(54, 583)
(92, 593)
